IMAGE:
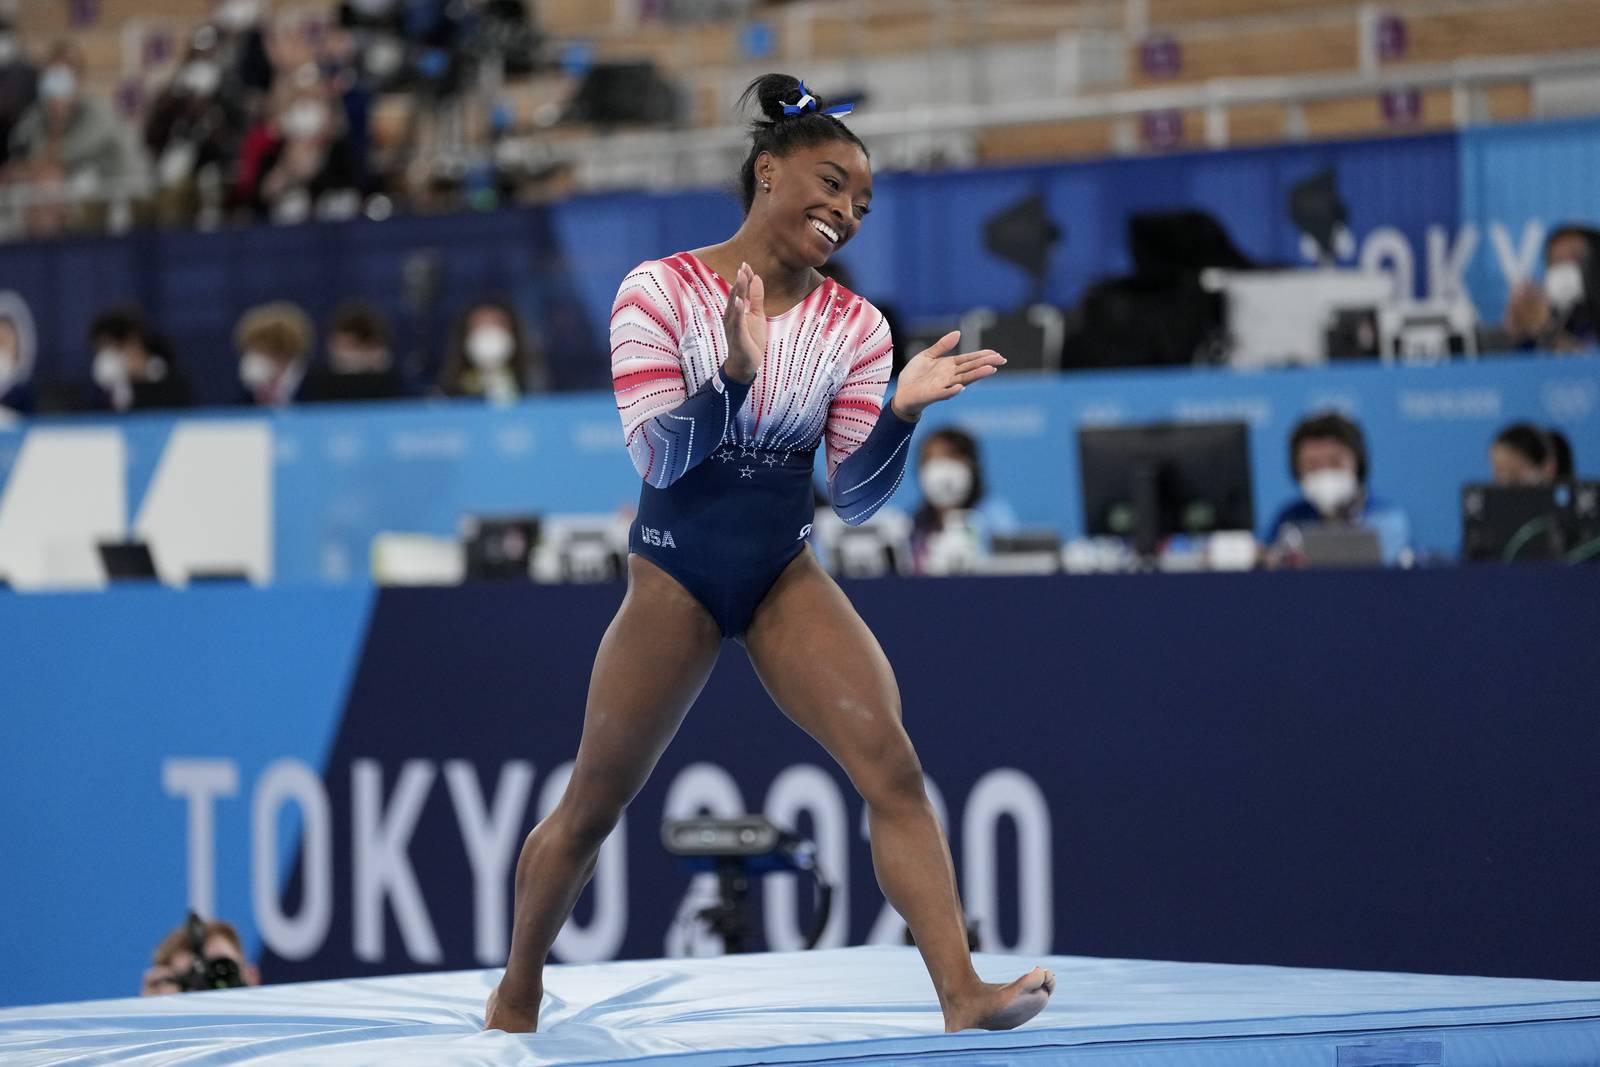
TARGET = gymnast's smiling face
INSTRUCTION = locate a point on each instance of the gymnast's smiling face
(819, 195)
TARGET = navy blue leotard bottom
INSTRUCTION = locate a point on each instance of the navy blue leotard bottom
(728, 527)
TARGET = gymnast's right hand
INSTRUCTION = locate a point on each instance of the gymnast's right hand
(745, 322)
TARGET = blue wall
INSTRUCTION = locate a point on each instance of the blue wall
(921, 250)
(1376, 770)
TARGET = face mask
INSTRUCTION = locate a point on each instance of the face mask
(384, 56)
(256, 369)
(58, 83)
(109, 370)
(1330, 491)
(1563, 285)
(489, 347)
(304, 120)
(239, 14)
(200, 77)
(8, 49)
(945, 482)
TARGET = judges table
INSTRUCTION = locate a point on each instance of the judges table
(1375, 770)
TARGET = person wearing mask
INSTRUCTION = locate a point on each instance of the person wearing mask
(72, 148)
(957, 517)
(492, 356)
(1328, 458)
(134, 369)
(360, 363)
(174, 958)
(19, 84)
(16, 358)
(1523, 454)
(242, 46)
(193, 125)
(1560, 315)
(274, 342)
(300, 165)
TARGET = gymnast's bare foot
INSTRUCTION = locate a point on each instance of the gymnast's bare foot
(992, 1006)
(498, 1015)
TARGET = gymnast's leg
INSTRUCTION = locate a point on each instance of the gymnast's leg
(652, 663)
(825, 670)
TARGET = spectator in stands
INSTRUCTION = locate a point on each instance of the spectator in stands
(274, 342)
(71, 148)
(492, 356)
(1328, 458)
(299, 164)
(360, 361)
(1560, 315)
(242, 47)
(174, 958)
(192, 126)
(134, 368)
(1525, 454)
(19, 84)
(957, 517)
(16, 358)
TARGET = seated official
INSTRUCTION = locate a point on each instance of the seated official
(957, 517)
(1328, 458)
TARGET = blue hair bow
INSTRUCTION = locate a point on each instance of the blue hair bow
(807, 102)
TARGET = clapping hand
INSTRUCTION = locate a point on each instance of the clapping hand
(745, 322)
(933, 375)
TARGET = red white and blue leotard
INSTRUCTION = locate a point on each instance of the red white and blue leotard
(726, 501)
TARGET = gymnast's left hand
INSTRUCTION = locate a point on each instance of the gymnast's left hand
(934, 374)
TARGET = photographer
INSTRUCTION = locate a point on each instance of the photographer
(199, 955)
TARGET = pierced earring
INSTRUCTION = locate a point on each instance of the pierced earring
(766, 187)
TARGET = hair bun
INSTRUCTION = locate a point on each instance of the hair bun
(771, 92)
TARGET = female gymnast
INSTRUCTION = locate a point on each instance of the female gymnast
(731, 364)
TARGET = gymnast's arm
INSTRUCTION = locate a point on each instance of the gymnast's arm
(667, 430)
(868, 440)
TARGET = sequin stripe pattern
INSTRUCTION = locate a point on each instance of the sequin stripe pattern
(823, 376)
(670, 418)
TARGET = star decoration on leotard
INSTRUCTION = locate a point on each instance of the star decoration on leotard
(747, 472)
(746, 453)
(726, 455)
(771, 461)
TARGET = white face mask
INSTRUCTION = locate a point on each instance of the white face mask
(1563, 285)
(256, 370)
(490, 347)
(58, 83)
(1330, 490)
(200, 77)
(945, 482)
(305, 120)
(110, 371)
(239, 14)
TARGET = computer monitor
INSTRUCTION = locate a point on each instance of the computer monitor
(127, 561)
(1156, 480)
(1514, 524)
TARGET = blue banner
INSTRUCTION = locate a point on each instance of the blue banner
(1334, 770)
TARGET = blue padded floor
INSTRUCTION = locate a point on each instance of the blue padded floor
(861, 1006)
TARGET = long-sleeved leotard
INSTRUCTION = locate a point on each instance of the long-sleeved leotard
(726, 466)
